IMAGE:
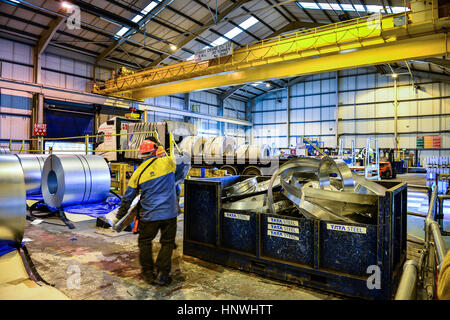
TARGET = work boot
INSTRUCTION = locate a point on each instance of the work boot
(148, 276)
(163, 279)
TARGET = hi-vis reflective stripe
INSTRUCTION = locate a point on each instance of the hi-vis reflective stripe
(236, 216)
(343, 228)
(282, 235)
(282, 221)
(282, 228)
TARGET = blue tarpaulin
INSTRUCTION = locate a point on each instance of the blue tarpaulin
(94, 209)
(7, 246)
(37, 197)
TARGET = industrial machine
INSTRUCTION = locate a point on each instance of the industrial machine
(118, 135)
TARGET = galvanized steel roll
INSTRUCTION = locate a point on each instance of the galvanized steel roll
(259, 152)
(223, 146)
(193, 145)
(242, 152)
(75, 179)
(12, 199)
(32, 165)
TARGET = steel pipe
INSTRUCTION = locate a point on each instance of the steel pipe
(407, 286)
(32, 165)
(439, 244)
(75, 179)
(12, 199)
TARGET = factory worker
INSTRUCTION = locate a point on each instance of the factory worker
(158, 211)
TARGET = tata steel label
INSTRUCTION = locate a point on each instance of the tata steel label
(282, 235)
(236, 216)
(282, 228)
(283, 221)
(343, 228)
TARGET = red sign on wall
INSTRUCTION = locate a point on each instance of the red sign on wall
(40, 129)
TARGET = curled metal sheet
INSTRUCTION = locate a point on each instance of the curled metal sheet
(242, 187)
(32, 165)
(364, 185)
(12, 199)
(308, 165)
(349, 197)
(75, 179)
(328, 166)
(307, 184)
(250, 203)
(264, 185)
(257, 203)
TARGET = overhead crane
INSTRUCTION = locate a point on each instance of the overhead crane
(371, 40)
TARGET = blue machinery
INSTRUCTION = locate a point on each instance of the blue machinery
(335, 257)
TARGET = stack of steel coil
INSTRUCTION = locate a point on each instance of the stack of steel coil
(75, 179)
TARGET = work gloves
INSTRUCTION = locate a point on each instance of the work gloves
(123, 210)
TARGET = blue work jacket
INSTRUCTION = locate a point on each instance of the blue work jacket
(158, 189)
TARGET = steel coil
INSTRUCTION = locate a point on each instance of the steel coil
(32, 165)
(75, 179)
(242, 152)
(12, 199)
(259, 152)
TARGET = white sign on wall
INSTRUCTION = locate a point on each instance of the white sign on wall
(222, 50)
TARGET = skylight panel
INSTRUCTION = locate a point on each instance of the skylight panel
(139, 17)
(122, 31)
(248, 23)
(348, 7)
(231, 34)
(149, 7)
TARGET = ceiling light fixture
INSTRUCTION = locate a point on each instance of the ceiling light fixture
(66, 5)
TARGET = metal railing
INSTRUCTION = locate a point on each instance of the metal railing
(86, 139)
(427, 270)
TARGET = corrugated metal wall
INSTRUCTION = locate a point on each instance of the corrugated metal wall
(366, 109)
(15, 107)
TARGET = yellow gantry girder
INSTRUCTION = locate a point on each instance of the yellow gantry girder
(355, 43)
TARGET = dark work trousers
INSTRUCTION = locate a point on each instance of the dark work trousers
(148, 232)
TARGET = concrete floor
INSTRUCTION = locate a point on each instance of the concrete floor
(108, 266)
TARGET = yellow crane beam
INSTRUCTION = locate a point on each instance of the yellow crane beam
(349, 44)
